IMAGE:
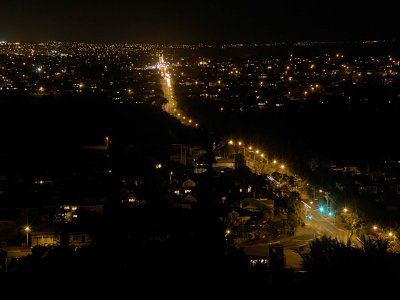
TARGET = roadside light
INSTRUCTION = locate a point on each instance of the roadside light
(321, 209)
(27, 229)
(330, 214)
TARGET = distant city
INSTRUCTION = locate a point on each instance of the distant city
(243, 161)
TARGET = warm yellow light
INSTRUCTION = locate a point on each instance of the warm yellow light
(27, 228)
(231, 142)
(375, 227)
(282, 166)
(345, 209)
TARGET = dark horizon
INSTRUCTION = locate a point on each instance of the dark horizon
(204, 21)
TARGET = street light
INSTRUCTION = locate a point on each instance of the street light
(27, 229)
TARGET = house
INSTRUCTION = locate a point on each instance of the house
(224, 163)
(239, 216)
(188, 202)
(49, 235)
(188, 186)
(189, 183)
(262, 207)
(269, 254)
(352, 170)
(395, 188)
(368, 189)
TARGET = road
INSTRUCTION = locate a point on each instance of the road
(325, 225)
(171, 106)
(317, 227)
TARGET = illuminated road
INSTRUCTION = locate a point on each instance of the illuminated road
(171, 106)
(324, 225)
(321, 224)
(315, 228)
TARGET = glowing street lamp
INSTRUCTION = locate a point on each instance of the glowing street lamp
(107, 139)
(27, 229)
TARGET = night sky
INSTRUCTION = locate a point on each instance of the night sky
(196, 21)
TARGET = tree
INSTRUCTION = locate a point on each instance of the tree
(371, 265)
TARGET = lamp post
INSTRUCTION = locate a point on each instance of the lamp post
(27, 229)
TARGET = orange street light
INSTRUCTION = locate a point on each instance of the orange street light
(27, 229)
